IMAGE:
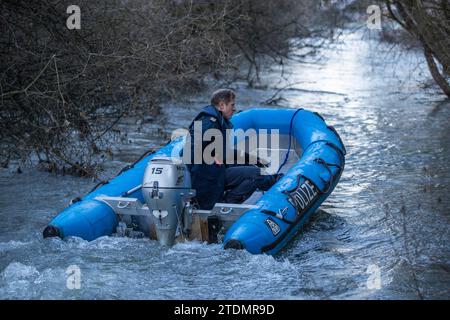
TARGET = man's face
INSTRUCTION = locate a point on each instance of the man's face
(227, 109)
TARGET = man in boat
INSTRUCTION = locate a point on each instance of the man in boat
(222, 181)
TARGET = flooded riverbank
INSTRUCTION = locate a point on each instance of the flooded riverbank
(382, 234)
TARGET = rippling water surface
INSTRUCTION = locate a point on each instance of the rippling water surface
(382, 234)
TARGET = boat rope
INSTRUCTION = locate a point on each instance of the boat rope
(101, 183)
(129, 166)
(327, 165)
(338, 137)
(290, 138)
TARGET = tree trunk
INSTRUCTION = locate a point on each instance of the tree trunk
(440, 80)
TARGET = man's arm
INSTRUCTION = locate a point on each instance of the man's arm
(248, 160)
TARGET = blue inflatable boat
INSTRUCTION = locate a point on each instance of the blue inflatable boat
(312, 158)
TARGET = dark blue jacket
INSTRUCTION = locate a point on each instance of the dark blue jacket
(209, 179)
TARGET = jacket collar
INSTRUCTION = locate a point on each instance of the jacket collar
(213, 112)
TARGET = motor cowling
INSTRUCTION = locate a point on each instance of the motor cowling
(166, 186)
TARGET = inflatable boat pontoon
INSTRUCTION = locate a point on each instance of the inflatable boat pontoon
(154, 195)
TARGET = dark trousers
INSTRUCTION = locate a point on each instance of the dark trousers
(242, 181)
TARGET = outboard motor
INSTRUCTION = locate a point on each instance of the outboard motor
(166, 187)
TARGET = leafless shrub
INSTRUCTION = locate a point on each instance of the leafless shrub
(62, 90)
(429, 22)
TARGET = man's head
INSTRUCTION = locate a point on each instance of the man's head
(224, 101)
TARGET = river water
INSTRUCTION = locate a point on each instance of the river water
(382, 234)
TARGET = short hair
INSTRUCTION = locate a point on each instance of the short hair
(225, 95)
